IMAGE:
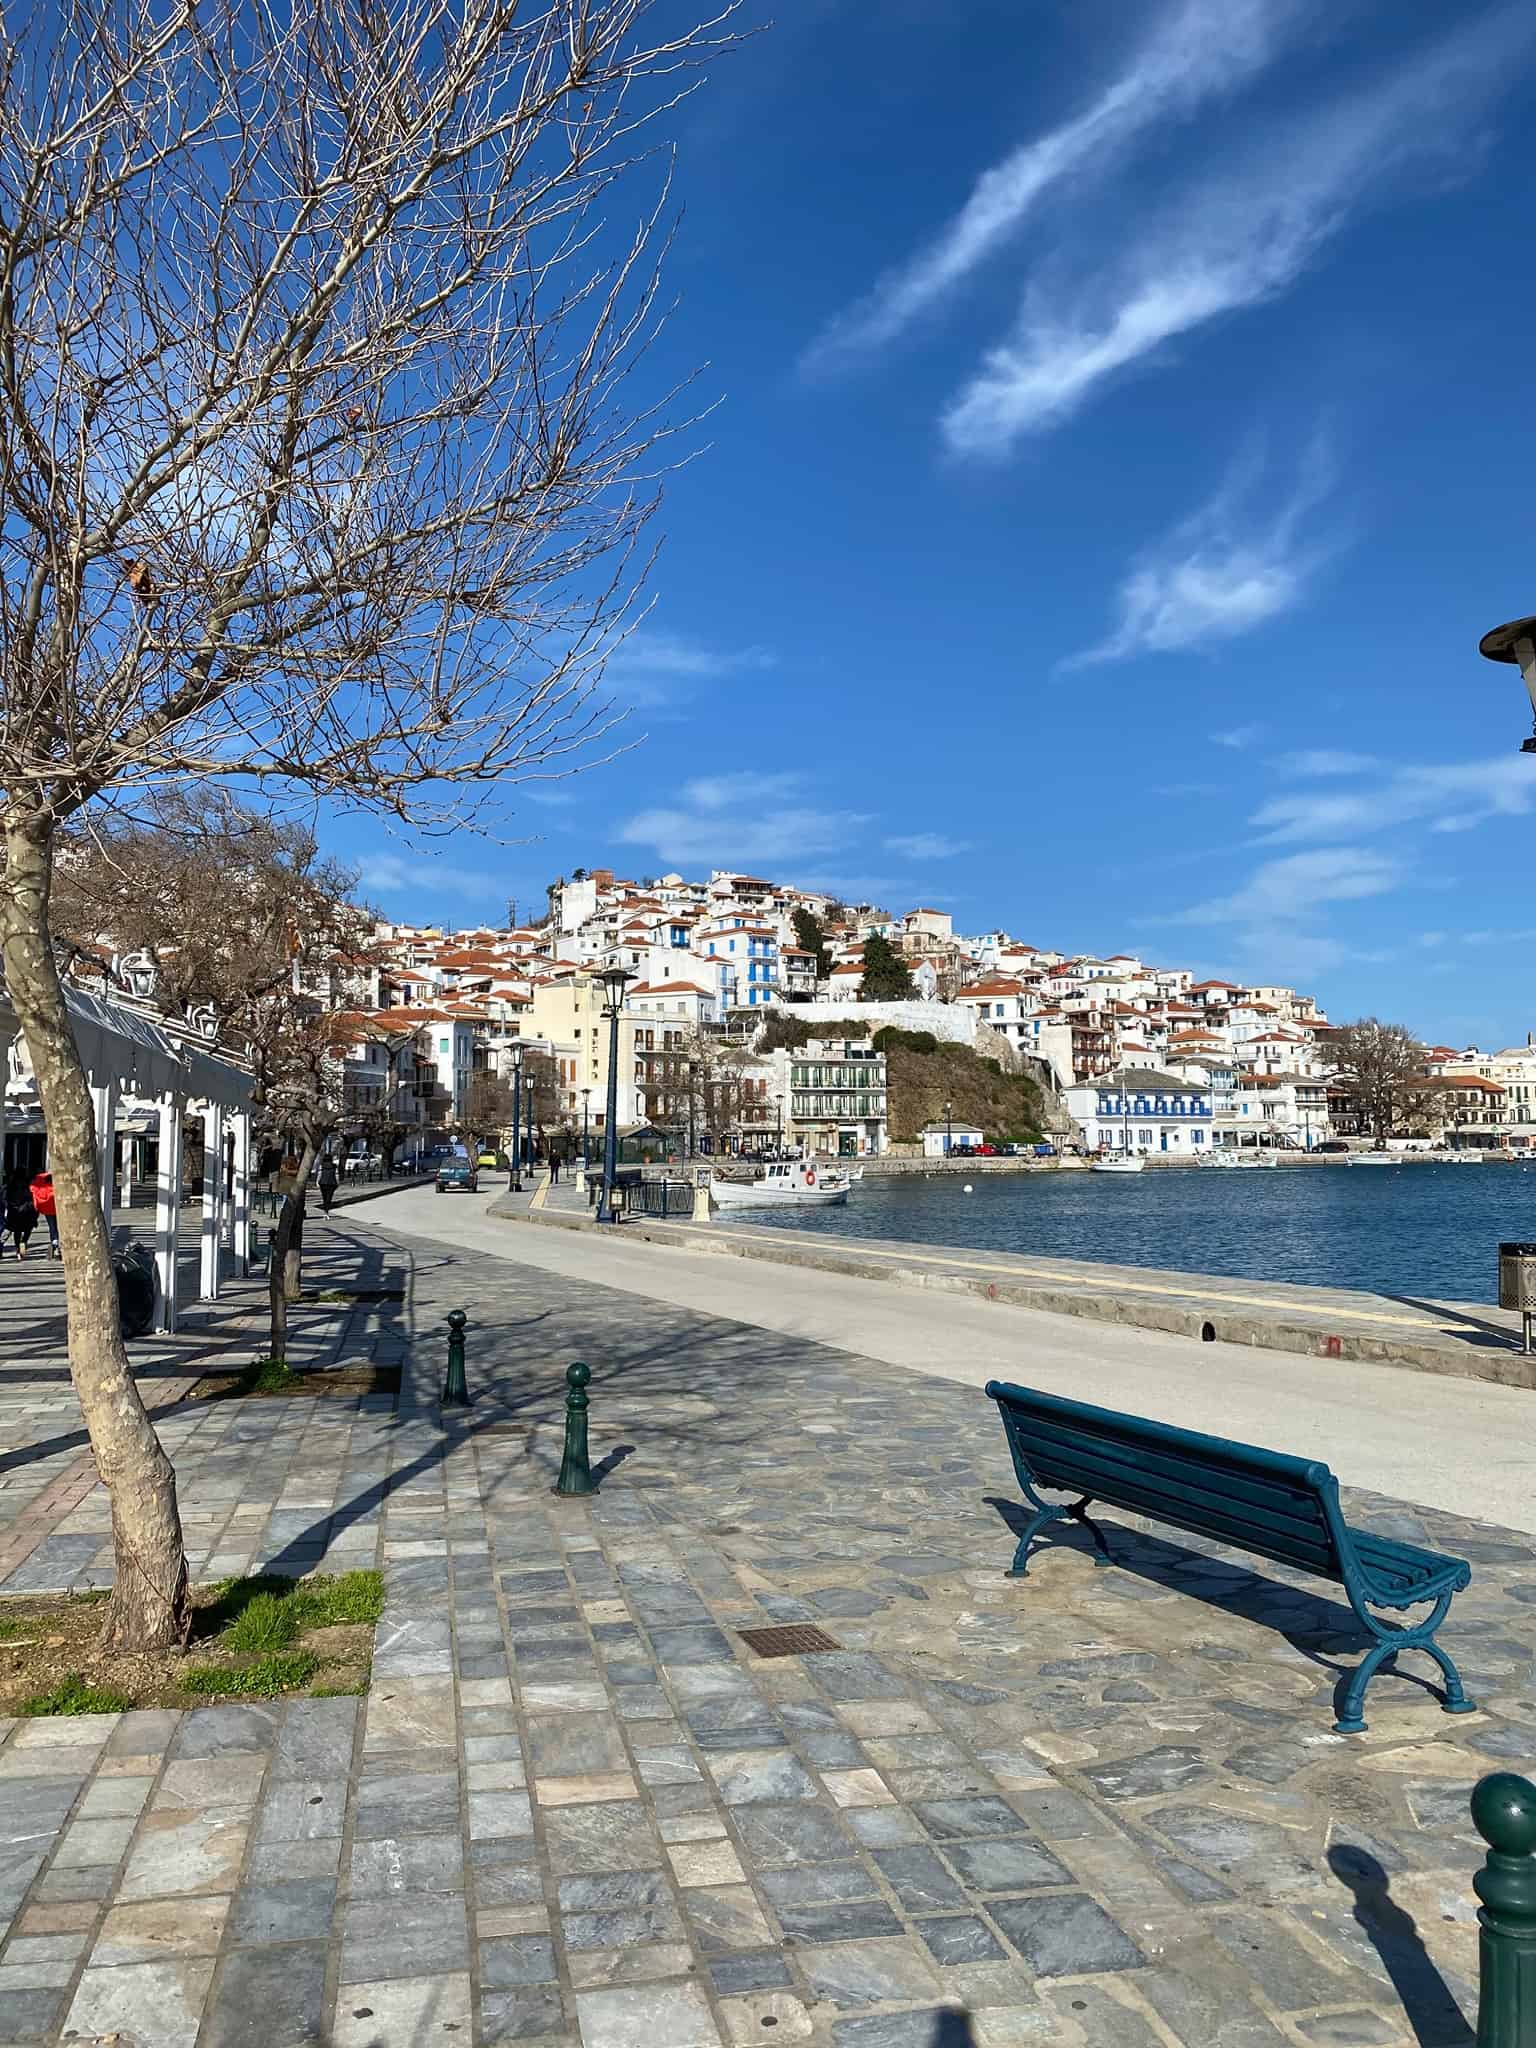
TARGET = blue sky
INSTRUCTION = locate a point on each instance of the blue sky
(1123, 443)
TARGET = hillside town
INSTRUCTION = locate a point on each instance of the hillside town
(747, 1021)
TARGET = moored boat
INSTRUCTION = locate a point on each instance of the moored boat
(782, 1184)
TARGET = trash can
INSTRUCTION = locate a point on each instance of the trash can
(135, 1291)
(1517, 1282)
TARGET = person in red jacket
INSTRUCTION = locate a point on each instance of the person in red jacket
(43, 1202)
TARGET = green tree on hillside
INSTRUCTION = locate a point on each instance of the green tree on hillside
(886, 975)
(811, 938)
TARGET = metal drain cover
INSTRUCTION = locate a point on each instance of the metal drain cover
(792, 1640)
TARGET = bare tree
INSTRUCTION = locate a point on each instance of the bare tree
(323, 459)
(1386, 1063)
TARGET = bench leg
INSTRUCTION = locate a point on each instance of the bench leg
(1455, 1701)
(1019, 1569)
(1078, 1512)
(1349, 1721)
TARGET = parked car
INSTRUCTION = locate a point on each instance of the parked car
(1331, 1145)
(458, 1171)
(1043, 1150)
(488, 1159)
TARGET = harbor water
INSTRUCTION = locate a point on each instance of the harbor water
(1420, 1231)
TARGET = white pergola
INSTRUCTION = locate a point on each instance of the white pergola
(132, 1062)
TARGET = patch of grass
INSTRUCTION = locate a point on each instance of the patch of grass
(72, 1695)
(351, 1597)
(266, 1623)
(281, 1671)
(9, 1629)
(257, 1615)
(354, 1690)
(267, 1376)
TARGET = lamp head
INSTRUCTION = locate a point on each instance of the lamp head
(614, 981)
(516, 1050)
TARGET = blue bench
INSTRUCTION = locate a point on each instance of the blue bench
(1275, 1506)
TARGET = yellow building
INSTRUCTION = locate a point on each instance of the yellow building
(570, 1014)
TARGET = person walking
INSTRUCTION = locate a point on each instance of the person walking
(43, 1201)
(554, 1169)
(327, 1178)
(20, 1214)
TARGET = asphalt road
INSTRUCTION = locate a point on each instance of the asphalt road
(1463, 1445)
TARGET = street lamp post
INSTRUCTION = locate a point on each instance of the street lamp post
(949, 1119)
(586, 1153)
(515, 1178)
(614, 981)
(1516, 643)
(690, 1069)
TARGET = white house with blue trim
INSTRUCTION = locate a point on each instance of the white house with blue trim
(749, 952)
(1164, 1113)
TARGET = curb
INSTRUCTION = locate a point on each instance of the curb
(1102, 1304)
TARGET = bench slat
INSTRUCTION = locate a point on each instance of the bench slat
(1289, 1525)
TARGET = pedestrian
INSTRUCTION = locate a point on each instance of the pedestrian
(2, 1218)
(327, 1179)
(20, 1214)
(554, 1169)
(43, 1201)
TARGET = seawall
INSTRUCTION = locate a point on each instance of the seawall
(1457, 1339)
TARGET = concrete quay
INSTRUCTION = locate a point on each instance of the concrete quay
(1463, 1340)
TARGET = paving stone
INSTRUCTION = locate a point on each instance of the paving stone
(417, 1935)
(268, 1998)
(955, 1819)
(407, 1863)
(29, 2015)
(184, 1852)
(811, 1884)
(869, 1973)
(750, 1777)
(156, 1929)
(747, 2017)
(926, 2027)
(730, 1974)
(1061, 1935)
(300, 1911)
(645, 2015)
(425, 1802)
(215, 1731)
(960, 1938)
(1006, 1866)
(1170, 1768)
(615, 1837)
(150, 2002)
(525, 1959)
(423, 2010)
(527, 2013)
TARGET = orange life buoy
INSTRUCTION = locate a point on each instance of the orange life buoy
(810, 1176)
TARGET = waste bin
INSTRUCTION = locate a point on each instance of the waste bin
(135, 1291)
(1517, 1282)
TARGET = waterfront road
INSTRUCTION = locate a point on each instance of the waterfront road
(1457, 1444)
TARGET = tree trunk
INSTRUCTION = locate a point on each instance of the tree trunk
(283, 1272)
(150, 1607)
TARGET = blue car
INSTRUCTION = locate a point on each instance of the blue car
(457, 1171)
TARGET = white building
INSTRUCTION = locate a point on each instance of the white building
(1156, 1112)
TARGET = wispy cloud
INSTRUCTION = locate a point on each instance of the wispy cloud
(926, 846)
(1225, 570)
(1326, 761)
(1239, 737)
(717, 820)
(1237, 238)
(651, 668)
(1197, 50)
(1449, 796)
(1297, 884)
(392, 874)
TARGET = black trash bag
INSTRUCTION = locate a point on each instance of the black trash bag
(135, 1290)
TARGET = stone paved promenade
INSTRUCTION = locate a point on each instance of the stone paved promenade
(1100, 1809)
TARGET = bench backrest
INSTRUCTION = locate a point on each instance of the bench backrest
(1277, 1506)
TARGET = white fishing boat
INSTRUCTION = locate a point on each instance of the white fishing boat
(782, 1184)
(1219, 1157)
(1125, 1160)
(1375, 1159)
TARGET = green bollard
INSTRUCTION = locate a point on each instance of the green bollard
(456, 1386)
(1504, 1814)
(575, 1466)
